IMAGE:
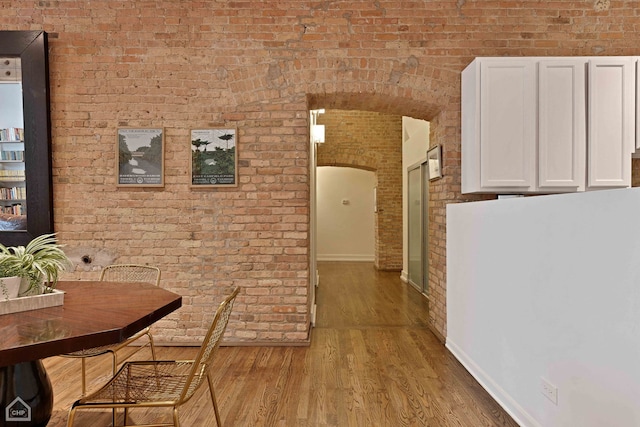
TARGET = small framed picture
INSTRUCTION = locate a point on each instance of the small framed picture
(434, 159)
(140, 154)
(214, 157)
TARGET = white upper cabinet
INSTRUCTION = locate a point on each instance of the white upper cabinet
(611, 121)
(498, 125)
(507, 123)
(530, 124)
(561, 124)
(507, 120)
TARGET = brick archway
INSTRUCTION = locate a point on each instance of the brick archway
(386, 105)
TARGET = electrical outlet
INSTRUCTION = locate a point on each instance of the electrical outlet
(549, 390)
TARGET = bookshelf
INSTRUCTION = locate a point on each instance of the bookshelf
(13, 189)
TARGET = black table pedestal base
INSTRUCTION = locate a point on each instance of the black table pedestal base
(26, 396)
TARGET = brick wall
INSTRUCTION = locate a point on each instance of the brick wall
(260, 65)
(371, 141)
(635, 173)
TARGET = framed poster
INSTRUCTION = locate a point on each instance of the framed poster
(214, 157)
(434, 159)
(140, 154)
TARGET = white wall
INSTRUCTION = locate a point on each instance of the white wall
(345, 231)
(549, 287)
(11, 105)
(415, 142)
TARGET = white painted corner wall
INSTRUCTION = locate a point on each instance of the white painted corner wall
(548, 287)
(346, 223)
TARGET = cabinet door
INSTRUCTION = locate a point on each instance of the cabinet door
(507, 124)
(561, 124)
(611, 126)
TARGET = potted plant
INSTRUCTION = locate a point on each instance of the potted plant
(39, 264)
(9, 282)
(10, 287)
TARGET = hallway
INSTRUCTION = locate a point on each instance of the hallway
(372, 362)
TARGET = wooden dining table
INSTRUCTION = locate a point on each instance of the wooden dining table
(94, 313)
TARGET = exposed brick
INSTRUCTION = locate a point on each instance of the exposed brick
(260, 65)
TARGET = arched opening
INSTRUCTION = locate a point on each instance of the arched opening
(372, 140)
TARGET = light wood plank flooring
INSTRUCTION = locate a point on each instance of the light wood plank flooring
(372, 362)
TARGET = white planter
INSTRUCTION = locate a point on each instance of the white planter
(25, 291)
(10, 287)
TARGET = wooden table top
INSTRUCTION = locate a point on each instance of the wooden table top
(94, 313)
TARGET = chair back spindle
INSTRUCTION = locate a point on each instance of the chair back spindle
(130, 273)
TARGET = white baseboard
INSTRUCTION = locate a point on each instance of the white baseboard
(345, 257)
(519, 415)
(404, 276)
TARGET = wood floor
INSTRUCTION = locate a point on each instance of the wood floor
(372, 362)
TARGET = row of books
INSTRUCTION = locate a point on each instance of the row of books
(13, 193)
(11, 175)
(12, 155)
(12, 134)
(16, 209)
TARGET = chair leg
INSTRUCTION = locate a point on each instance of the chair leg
(176, 419)
(213, 399)
(72, 415)
(113, 410)
(153, 348)
(84, 374)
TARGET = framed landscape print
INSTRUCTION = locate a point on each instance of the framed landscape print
(140, 154)
(214, 157)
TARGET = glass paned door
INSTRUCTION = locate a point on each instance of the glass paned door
(418, 187)
(415, 227)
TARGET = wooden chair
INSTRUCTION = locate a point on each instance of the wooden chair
(167, 384)
(121, 273)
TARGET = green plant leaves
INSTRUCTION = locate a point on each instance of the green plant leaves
(41, 260)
